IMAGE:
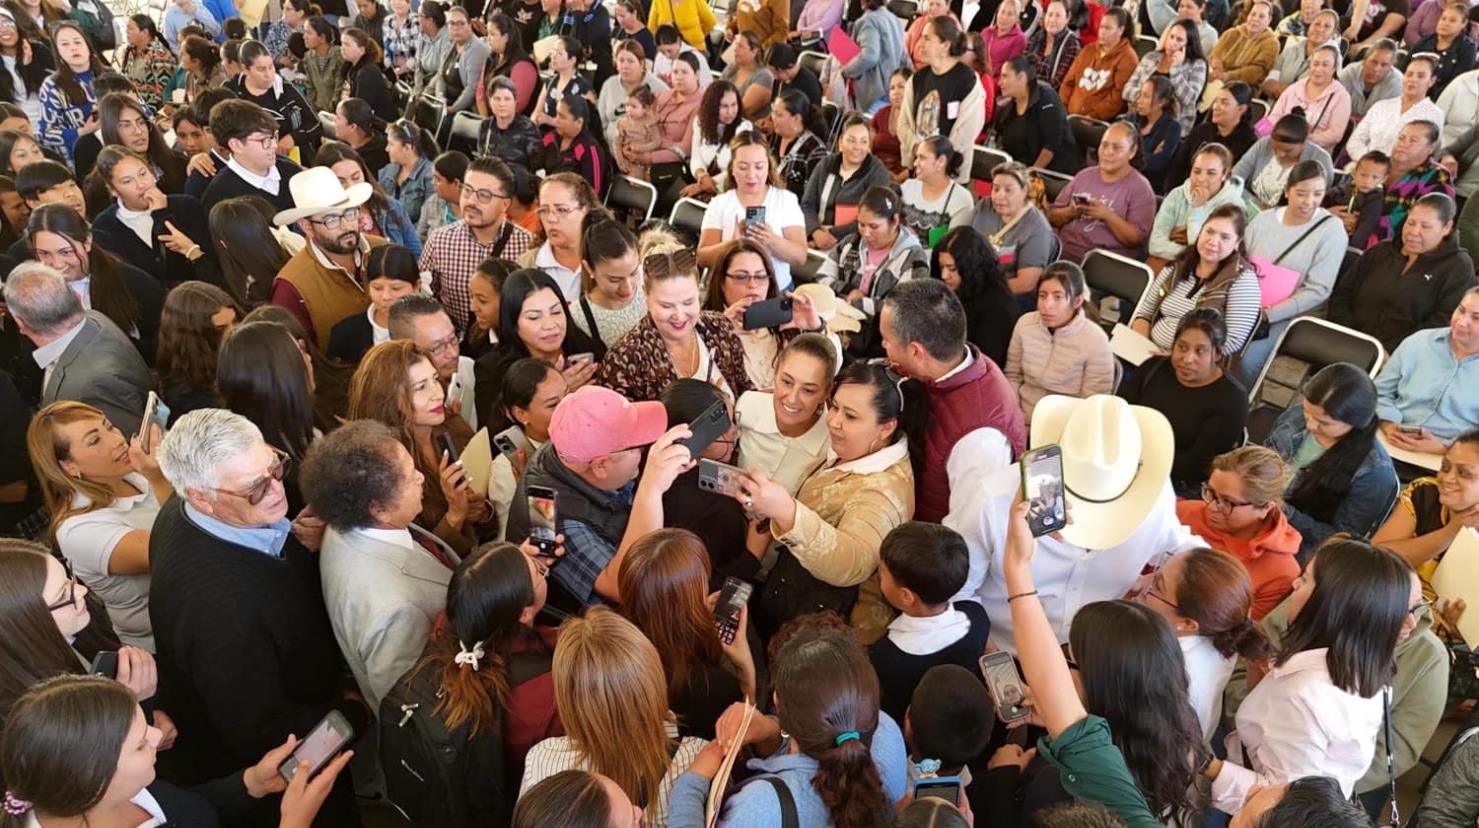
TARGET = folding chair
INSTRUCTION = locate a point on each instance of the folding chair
(632, 194)
(1306, 345)
(1257, 109)
(807, 273)
(1053, 182)
(429, 113)
(464, 133)
(688, 216)
(1087, 132)
(1112, 275)
(815, 61)
(984, 160)
(1144, 45)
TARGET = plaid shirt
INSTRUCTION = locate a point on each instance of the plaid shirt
(452, 253)
(400, 42)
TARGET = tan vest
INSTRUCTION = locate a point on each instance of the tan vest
(329, 294)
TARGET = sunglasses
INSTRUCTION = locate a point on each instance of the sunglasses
(663, 265)
(257, 491)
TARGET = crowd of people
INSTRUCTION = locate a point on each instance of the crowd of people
(356, 452)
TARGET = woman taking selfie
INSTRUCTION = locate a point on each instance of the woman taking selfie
(103, 491)
(783, 431)
(676, 339)
(611, 300)
(830, 531)
(742, 277)
(835, 187)
(79, 748)
(1241, 512)
(664, 581)
(756, 206)
(489, 665)
(1342, 479)
(397, 385)
(534, 321)
(1058, 349)
(1206, 408)
(611, 693)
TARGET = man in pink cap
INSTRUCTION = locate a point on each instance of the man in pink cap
(591, 462)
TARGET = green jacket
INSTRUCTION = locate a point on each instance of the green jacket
(1090, 767)
(1419, 693)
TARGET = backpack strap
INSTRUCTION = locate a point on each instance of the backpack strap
(789, 817)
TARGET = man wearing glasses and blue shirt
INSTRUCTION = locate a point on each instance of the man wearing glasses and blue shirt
(239, 620)
(323, 283)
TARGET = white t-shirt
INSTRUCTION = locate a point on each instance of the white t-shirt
(1207, 672)
(87, 542)
(782, 210)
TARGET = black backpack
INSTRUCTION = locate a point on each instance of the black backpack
(440, 777)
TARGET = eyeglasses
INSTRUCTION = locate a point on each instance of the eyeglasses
(742, 278)
(1225, 504)
(266, 142)
(333, 220)
(555, 211)
(6, 24)
(1416, 609)
(662, 265)
(71, 599)
(487, 196)
(254, 493)
(450, 343)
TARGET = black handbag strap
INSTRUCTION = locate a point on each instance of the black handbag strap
(590, 319)
(1302, 237)
(789, 817)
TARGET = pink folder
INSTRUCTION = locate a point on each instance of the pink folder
(842, 47)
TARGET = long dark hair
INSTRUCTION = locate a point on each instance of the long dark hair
(110, 294)
(488, 592)
(1193, 41)
(894, 398)
(710, 131)
(32, 74)
(514, 51)
(516, 289)
(32, 648)
(146, 24)
(980, 274)
(1135, 677)
(797, 103)
(827, 699)
(333, 152)
(111, 108)
(260, 375)
(188, 340)
(61, 744)
(1347, 394)
(664, 582)
(714, 293)
(66, 79)
(1186, 263)
(1355, 612)
(250, 257)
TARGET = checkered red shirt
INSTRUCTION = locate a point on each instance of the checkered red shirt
(452, 253)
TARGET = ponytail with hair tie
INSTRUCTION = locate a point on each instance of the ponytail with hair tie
(1244, 639)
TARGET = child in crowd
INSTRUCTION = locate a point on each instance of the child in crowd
(921, 566)
(636, 133)
(948, 727)
(1358, 202)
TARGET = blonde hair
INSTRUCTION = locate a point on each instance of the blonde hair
(1263, 472)
(613, 700)
(48, 450)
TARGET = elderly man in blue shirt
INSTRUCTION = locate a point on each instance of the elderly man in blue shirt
(1428, 392)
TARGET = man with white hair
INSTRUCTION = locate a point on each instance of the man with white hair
(112, 377)
(245, 649)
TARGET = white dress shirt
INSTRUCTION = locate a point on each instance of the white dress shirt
(47, 355)
(271, 182)
(788, 460)
(1207, 672)
(1066, 576)
(141, 222)
(1297, 723)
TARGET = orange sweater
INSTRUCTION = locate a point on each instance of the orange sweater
(1268, 557)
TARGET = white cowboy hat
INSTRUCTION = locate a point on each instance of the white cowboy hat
(1116, 462)
(317, 190)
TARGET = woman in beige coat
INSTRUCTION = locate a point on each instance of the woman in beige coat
(1058, 349)
(831, 531)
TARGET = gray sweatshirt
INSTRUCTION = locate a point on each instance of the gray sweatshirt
(1318, 256)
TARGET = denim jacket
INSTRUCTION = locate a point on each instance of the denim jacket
(1373, 489)
(398, 227)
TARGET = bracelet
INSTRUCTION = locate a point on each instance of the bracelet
(193, 248)
(1012, 598)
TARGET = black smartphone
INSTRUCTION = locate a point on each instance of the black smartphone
(105, 664)
(755, 215)
(1002, 679)
(710, 426)
(446, 446)
(732, 598)
(770, 313)
(1042, 488)
(323, 743)
(541, 502)
(941, 787)
(719, 478)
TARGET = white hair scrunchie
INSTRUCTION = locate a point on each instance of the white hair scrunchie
(466, 656)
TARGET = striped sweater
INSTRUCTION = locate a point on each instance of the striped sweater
(1074, 360)
(1171, 298)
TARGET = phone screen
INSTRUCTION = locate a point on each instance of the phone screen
(1005, 685)
(1042, 488)
(946, 789)
(542, 518)
(734, 596)
(327, 738)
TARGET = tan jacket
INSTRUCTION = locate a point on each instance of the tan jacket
(1074, 360)
(1246, 59)
(843, 512)
(329, 294)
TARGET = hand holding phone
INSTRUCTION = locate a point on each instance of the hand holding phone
(710, 426)
(543, 519)
(1042, 489)
(105, 664)
(770, 313)
(330, 736)
(732, 599)
(511, 441)
(1005, 686)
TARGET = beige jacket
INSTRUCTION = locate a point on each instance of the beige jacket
(1074, 360)
(843, 512)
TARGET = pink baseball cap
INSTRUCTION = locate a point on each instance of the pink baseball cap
(594, 422)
